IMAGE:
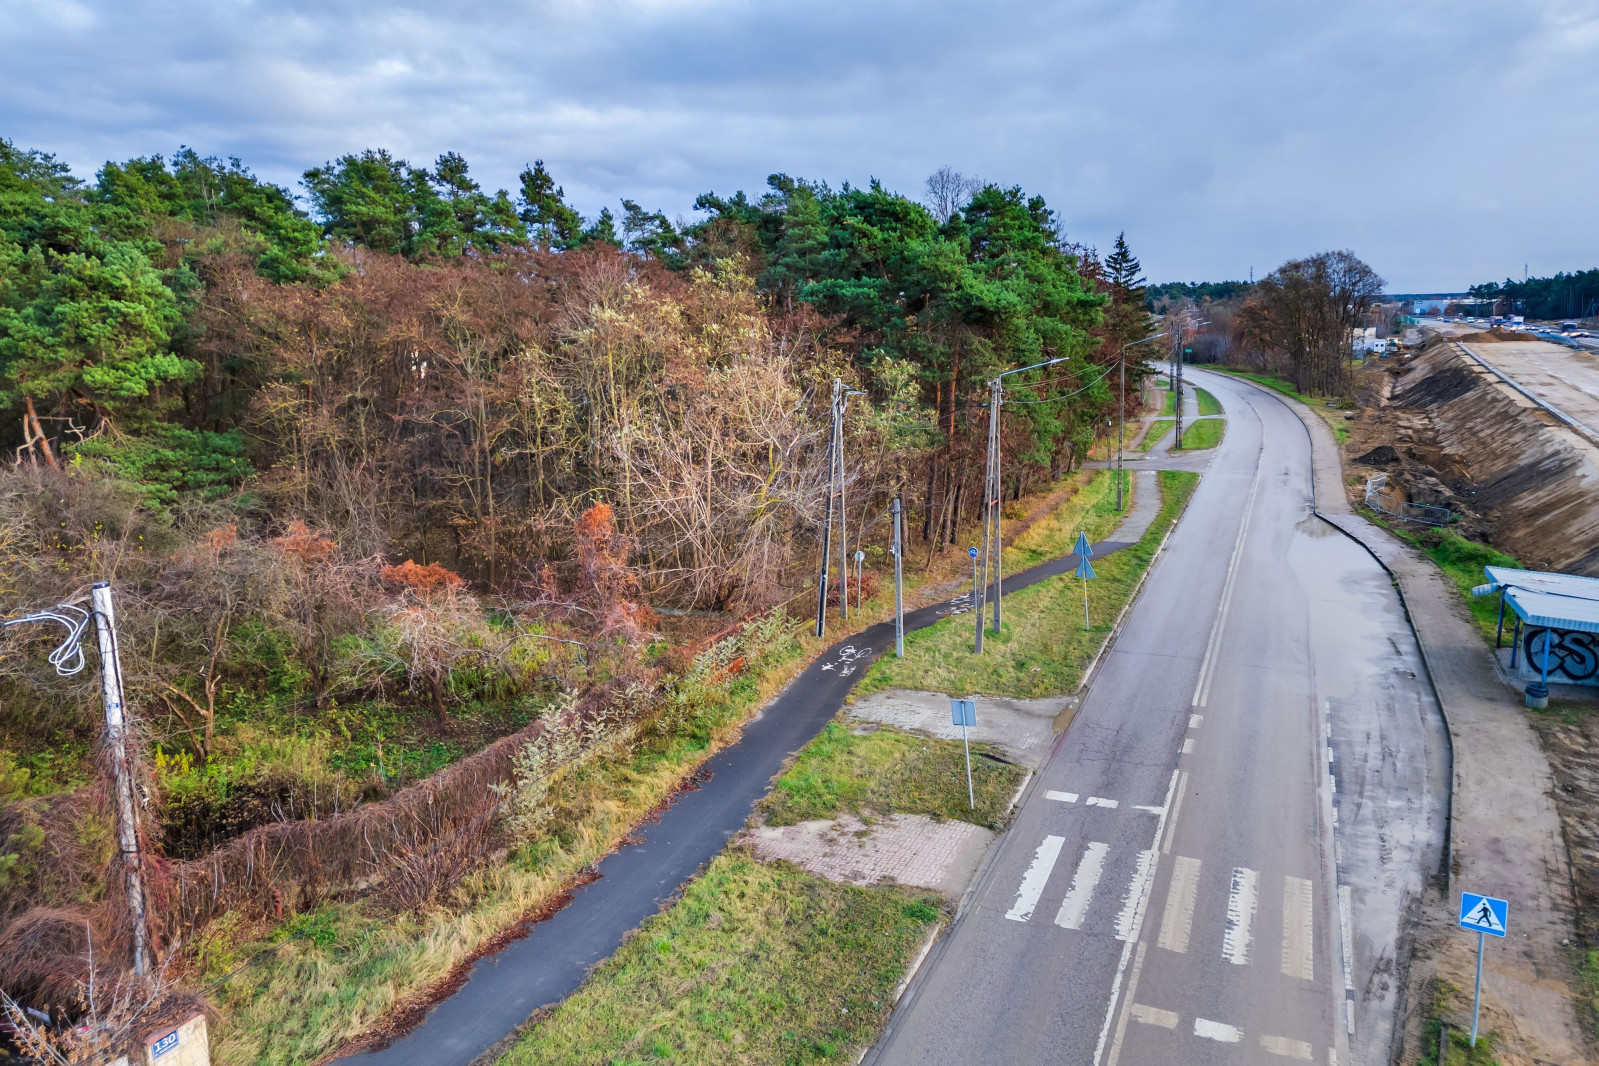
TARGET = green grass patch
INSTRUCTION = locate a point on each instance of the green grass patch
(1204, 433)
(1042, 648)
(1170, 406)
(889, 771)
(1208, 404)
(1091, 508)
(1588, 976)
(1446, 1007)
(758, 963)
(1157, 432)
(1335, 422)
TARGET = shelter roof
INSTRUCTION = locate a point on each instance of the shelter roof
(1545, 598)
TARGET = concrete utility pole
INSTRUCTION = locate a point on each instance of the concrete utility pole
(843, 544)
(68, 660)
(827, 528)
(899, 580)
(992, 493)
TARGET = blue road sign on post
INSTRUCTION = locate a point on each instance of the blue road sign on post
(1482, 915)
(964, 714)
(972, 552)
(1082, 547)
(1085, 570)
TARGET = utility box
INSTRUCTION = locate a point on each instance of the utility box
(186, 1044)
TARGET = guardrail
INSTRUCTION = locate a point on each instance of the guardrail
(1425, 513)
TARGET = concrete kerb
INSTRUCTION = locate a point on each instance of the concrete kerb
(1304, 417)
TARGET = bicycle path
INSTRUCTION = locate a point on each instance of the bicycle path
(505, 989)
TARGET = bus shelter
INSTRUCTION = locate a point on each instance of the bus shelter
(1554, 619)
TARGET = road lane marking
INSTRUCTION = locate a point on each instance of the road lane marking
(1111, 1013)
(1188, 745)
(1149, 810)
(1154, 1016)
(1194, 720)
(1128, 921)
(1074, 908)
(1299, 936)
(1281, 1045)
(1171, 830)
(1346, 931)
(1202, 686)
(1033, 881)
(1240, 915)
(1063, 797)
(1178, 921)
(1210, 1030)
(1100, 801)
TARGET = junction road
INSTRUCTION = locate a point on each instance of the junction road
(1217, 861)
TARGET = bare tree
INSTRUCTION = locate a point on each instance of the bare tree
(1303, 312)
(949, 190)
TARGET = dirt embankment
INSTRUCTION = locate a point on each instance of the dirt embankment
(1449, 433)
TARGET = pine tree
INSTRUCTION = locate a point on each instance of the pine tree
(1126, 320)
(550, 221)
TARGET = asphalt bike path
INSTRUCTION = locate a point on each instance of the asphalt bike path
(505, 989)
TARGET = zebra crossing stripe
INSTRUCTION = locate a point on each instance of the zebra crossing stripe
(1240, 916)
(1074, 908)
(1032, 886)
(1178, 920)
(1299, 936)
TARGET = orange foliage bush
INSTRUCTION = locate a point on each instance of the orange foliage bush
(418, 578)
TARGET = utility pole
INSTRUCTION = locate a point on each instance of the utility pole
(827, 529)
(899, 581)
(843, 545)
(68, 660)
(1121, 427)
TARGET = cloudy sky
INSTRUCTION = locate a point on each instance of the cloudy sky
(1443, 142)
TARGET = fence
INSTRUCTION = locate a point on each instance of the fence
(1379, 500)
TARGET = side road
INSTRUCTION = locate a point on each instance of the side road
(504, 990)
(1505, 836)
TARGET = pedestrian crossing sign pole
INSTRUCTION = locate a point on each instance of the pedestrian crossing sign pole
(1084, 570)
(1485, 916)
(964, 713)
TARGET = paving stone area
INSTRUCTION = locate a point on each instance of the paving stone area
(1022, 729)
(908, 849)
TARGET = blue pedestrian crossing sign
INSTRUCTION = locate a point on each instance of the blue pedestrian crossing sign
(963, 712)
(1483, 914)
(1085, 570)
(1082, 548)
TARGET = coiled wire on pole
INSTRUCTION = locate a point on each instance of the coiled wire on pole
(67, 657)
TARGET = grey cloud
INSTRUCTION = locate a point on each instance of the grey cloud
(1444, 142)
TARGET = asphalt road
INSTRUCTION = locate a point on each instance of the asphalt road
(1175, 886)
(634, 881)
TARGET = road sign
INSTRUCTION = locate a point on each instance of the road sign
(972, 551)
(1483, 914)
(1082, 547)
(1085, 570)
(963, 712)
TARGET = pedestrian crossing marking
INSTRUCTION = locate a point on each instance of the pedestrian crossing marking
(1137, 892)
(1178, 920)
(1240, 916)
(1033, 881)
(1298, 929)
(1281, 1045)
(1210, 1030)
(1074, 908)
(1154, 1016)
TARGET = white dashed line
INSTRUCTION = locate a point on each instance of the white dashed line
(1074, 908)
(1299, 935)
(1210, 1030)
(1281, 1045)
(1177, 809)
(1033, 881)
(1346, 931)
(1063, 797)
(1100, 801)
(1154, 1016)
(1240, 915)
(1194, 720)
(1149, 810)
(1178, 920)
(1188, 745)
(1128, 921)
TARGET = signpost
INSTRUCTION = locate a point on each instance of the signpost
(977, 599)
(1085, 571)
(899, 581)
(1484, 916)
(964, 713)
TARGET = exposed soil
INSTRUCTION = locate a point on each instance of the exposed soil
(1570, 738)
(1495, 336)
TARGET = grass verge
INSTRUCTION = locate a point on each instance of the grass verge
(1042, 647)
(1090, 507)
(1205, 433)
(1461, 560)
(338, 970)
(757, 963)
(889, 771)
(1208, 404)
(1157, 432)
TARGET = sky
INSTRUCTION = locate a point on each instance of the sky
(1446, 142)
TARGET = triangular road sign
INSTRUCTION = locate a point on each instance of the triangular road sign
(1085, 570)
(1082, 547)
